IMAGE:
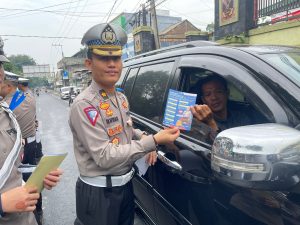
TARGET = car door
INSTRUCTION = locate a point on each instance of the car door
(146, 87)
(232, 205)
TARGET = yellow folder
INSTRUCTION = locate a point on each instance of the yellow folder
(45, 166)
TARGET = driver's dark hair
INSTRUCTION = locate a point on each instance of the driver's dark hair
(210, 78)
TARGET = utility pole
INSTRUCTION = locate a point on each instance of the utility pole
(64, 82)
(144, 14)
(59, 45)
(154, 24)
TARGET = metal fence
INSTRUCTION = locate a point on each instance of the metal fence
(269, 7)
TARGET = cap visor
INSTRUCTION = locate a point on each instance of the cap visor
(3, 59)
(107, 53)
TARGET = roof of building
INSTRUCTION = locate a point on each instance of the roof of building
(172, 27)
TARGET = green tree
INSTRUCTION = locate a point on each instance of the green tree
(17, 61)
(38, 82)
(210, 27)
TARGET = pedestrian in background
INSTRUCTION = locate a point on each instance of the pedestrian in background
(105, 143)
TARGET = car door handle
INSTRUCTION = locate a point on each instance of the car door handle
(175, 165)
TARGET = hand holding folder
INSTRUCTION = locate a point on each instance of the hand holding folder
(47, 164)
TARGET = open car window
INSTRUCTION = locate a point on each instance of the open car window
(191, 79)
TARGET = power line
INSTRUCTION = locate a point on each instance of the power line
(40, 10)
(31, 10)
(62, 24)
(135, 10)
(26, 12)
(111, 10)
(36, 36)
(67, 33)
(69, 21)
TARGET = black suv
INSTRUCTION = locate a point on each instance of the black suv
(250, 175)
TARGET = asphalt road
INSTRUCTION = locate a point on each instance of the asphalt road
(59, 203)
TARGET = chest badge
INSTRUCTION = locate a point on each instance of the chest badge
(103, 94)
(115, 141)
(104, 105)
(92, 114)
(125, 105)
(109, 112)
(115, 130)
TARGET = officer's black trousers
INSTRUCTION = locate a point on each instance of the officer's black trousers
(104, 206)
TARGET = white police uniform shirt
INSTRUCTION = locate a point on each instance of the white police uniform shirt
(8, 137)
(105, 142)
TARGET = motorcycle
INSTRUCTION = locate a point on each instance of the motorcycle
(71, 99)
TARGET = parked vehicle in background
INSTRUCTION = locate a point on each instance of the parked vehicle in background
(65, 92)
(251, 174)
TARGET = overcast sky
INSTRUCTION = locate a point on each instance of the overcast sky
(72, 18)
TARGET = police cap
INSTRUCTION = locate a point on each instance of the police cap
(23, 80)
(11, 77)
(105, 39)
(2, 56)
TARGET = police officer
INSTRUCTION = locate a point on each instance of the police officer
(105, 143)
(15, 198)
(23, 85)
(26, 116)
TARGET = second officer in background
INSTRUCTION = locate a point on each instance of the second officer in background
(26, 116)
(105, 143)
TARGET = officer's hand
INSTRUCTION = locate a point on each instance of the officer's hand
(167, 135)
(19, 199)
(151, 158)
(52, 179)
(204, 114)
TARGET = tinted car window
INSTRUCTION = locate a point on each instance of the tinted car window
(149, 90)
(288, 63)
(130, 81)
(124, 71)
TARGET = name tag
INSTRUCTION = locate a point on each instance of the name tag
(112, 120)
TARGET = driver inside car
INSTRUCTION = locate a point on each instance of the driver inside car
(214, 111)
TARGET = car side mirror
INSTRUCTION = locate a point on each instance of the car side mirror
(264, 156)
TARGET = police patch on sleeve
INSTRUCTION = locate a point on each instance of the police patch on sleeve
(92, 114)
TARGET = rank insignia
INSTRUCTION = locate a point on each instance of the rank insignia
(124, 104)
(109, 112)
(104, 105)
(92, 114)
(115, 141)
(103, 94)
(115, 130)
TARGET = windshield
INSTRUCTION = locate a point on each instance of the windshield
(287, 63)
